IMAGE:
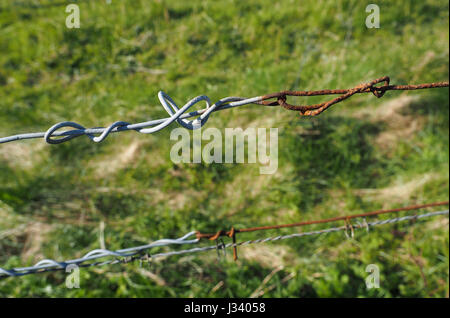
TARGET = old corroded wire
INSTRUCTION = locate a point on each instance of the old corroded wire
(180, 115)
(316, 109)
(234, 231)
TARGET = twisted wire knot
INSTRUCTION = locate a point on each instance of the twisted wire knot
(169, 106)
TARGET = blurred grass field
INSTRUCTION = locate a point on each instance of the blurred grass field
(360, 155)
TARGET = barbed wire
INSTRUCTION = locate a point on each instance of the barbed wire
(49, 264)
(181, 116)
(232, 233)
(135, 253)
(310, 233)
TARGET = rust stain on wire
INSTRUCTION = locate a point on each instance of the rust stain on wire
(316, 109)
(232, 233)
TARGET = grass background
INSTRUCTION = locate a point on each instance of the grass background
(366, 153)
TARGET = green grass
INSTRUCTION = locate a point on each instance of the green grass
(350, 159)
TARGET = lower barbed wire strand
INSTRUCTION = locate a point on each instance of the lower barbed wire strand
(134, 252)
(311, 233)
(96, 254)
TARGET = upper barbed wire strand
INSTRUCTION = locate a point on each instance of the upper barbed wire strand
(180, 115)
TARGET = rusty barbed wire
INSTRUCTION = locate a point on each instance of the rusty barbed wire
(233, 231)
(365, 225)
(201, 116)
(136, 253)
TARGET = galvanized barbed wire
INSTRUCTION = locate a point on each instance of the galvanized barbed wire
(180, 116)
(48, 264)
(134, 253)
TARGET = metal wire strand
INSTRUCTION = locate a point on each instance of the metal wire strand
(176, 114)
(297, 235)
(48, 264)
(181, 116)
(233, 231)
(133, 254)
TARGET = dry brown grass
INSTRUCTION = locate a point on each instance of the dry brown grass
(110, 165)
(400, 191)
(398, 124)
(23, 155)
